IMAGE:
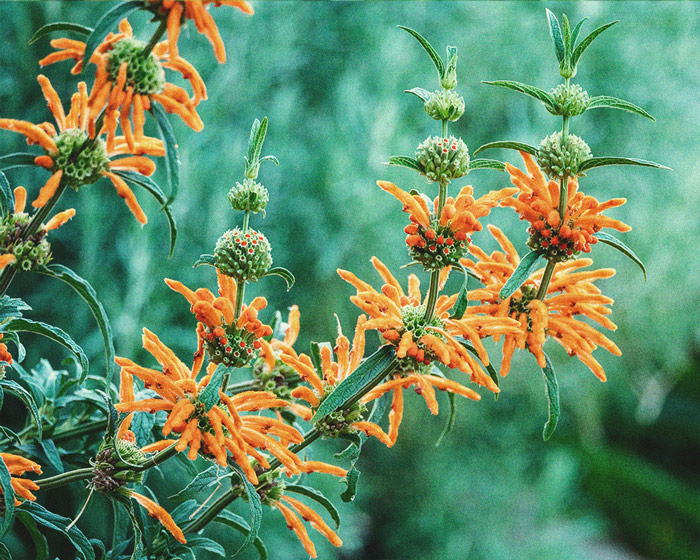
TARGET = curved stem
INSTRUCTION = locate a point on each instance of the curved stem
(156, 37)
(64, 478)
(79, 431)
(158, 458)
(211, 512)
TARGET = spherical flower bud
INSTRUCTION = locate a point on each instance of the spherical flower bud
(554, 243)
(569, 100)
(445, 105)
(243, 255)
(80, 166)
(443, 158)
(231, 345)
(449, 79)
(30, 252)
(437, 246)
(144, 74)
(248, 196)
(557, 159)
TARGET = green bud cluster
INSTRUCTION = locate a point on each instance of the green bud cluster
(438, 245)
(413, 320)
(280, 380)
(243, 254)
(270, 489)
(445, 105)
(231, 346)
(338, 422)
(443, 158)
(570, 100)
(557, 159)
(30, 252)
(248, 196)
(110, 472)
(80, 166)
(520, 305)
(145, 74)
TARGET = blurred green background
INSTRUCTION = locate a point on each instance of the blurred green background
(621, 477)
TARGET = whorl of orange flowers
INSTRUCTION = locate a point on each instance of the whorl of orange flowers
(125, 92)
(17, 466)
(5, 355)
(571, 293)
(537, 203)
(178, 12)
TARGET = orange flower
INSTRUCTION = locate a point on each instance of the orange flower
(400, 318)
(439, 241)
(76, 157)
(571, 293)
(229, 339)
(156, 511)
(126, 82)
(18, 466)
(178, 12)
(537, 202)
(216, 432)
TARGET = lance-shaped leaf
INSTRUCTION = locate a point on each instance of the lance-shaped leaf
(128, 505)
(255, 144)
(520, 146)
(284, 273)
(450, 422)
(27, 399)
(210, 395)
(351, 480)
(371, 370)
(17, 159)
(482, 163)
(147, 183)
(87, 292)
(236, 522)
(11, 308)
(7, 197)
(566, 32)
(557, 37)
(525, 267)
(576, 31)
(60, 26)
(318, 497)
(254, 505)
(204, 479)
(8, 497)
(552, 392)
(585, 43)
(406, 161)
(204, 259)
(532, 91)
(41, 545)
(606, 101)
(172, 158)
(420, 93)
(107, 23)
(489, 368)
(62, 525)
(4, 552)
(432, 53)
(55, 334)
(592, 163)
(462, 302)
(624, 249)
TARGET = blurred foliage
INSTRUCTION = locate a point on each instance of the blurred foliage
(621, 477)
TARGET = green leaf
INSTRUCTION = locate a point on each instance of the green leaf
(351, 480)
(8, 496)
(316, 356)
(462, 302)
(420, 93)
(204, 543)
(51, 453)
(481, 163)
(60, 524)
(11, 308)
(239, 524)
(552, 392)
(255, 144)
(86, 291)
(4, 552)
(432, 53)
(128, 506)
(273, 159)
(405, 161)
(583, 45)
(172, 158)
(318, 497)
(59, 26)
(55, 334)
(527, 266)
(592, 163)
(17, 159)
(7, 196)
(255, 508)
(106, 23)
(576, 31)
(450, 423)
(510, 145)
(493, 374)
(566, 31)
(204, 259)
(557, 39)
(532, 91)
(606, 101)
(284, 273)
(22, 394)
(624, 249)
(210, 395)
(376, 366)
(41, 545)
(204, 479)
(147, 183)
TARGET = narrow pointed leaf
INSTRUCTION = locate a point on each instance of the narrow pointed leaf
(432, 53)
(59, 26)
(7, 196)
(482, 163)
(606, 101)
(532, 150)
(576, 31)
(273, 159)
(41, 545)
(284, 273)
(375, 366)
(318, 497)
(86, 291)
(128, 506)
(210, 395)
(557, 38)
(239, 524)
(578, 51)
(422, 94)
(254, 505)
(172, 158)
(566, 32)
(257, 137)
(351, 480)
(8, 497)
(406, 161)
(552, 392)
(27, 399)
(204, 479)
(493, 374)
(17, 159)
(204, 259)
(462, 302)
(5, 552)
(107, 23)
(451, 417)
(624, 249)
(527, 266)
(532, 91)
(60, 524)
(592, 163)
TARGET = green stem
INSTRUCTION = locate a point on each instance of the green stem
(64, 478)
(156, 37)
(78, 431)
(435, 274)
(246, 220)
(546, 277)
(211, 512)
(445, 124)
(158, 458)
